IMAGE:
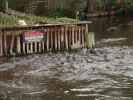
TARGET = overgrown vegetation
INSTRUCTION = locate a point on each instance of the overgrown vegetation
(12, 20)
(69, 9)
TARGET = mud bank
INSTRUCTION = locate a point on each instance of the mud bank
(100, 74)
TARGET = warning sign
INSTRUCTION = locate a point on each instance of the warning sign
(33, 36)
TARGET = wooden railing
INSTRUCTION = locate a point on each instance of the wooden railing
(58, 37)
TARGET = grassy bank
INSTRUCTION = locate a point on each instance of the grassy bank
(12, 19)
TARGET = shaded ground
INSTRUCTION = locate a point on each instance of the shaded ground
(11, 18)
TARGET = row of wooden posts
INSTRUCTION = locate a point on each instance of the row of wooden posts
(58, 37)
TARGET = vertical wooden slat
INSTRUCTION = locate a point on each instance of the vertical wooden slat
(62, 38)
(5, 44)
(24, 52)
(47, 32)
(89, 38)
(55, 34)
(76, 35)
(82, 36)
(70, 37)
(1, 44)
(58, 31)
(73, 36)
(40, 47)
(79, 35)
(18, 45)
(31, 47)
(87, 41)
(35, 46)
(51, 38)
(66, 37)
(12, 45)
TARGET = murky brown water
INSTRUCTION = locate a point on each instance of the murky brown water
(104, 73)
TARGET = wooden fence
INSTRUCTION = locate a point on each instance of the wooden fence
(58, 37)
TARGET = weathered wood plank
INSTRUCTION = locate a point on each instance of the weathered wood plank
(66, 37)
(5, 44)
(48, 39)
(58, 34)
(18, 45)
(1, 44)
(12, 45)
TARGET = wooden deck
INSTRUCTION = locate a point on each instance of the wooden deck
(57, 37)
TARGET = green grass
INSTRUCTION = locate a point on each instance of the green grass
(10, 20)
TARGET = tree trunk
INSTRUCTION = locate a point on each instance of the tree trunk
(91, 5)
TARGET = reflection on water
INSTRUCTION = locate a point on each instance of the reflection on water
(105, 73)
(114, 28)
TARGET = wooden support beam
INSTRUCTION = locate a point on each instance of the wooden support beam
(73, 38)
(79, 35)
(24, 45)
(76, 35)
(12, 45)
(18, 45)
(89, 38)
(62, 38)
(59, 38)
(40, 47)
(55, 38)
(83, 36)
(66, 37)
(47, 32)
(51, 39)
(31, 47)
(35, 44)
(70, 37)
(1, 44)
(5, 44)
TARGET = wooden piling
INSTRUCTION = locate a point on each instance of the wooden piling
(66, 37)
(1, 44)
(31, 47)
(18, 45)
(23, 45)
(51, 36)
(35, 46)
(82, 36)
(47, 39)
(12, 45)
(5, 44)
(58, 34)
(79, 35)
(39, 47)
(55, 38)
(62, 38)
(73, 38)
(89, 38)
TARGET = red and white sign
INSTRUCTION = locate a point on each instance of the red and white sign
(33, 36)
